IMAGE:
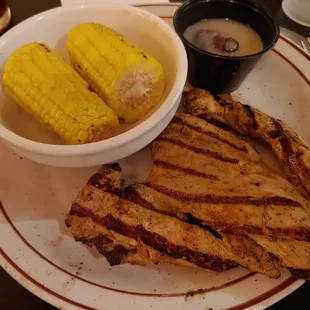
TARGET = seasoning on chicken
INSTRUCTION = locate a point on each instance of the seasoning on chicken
(290, 149)
(209, 202)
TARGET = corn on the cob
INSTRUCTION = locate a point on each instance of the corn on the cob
(47, 87)
(129, 80)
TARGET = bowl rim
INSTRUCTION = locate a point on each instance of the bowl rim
(147, 125)
(257, 7)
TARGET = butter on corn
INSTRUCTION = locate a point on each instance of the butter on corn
(129, 80)
(48, 88)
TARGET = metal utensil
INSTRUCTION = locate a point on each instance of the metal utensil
(300, 40)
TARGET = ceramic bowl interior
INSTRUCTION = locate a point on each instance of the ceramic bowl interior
(142, 28)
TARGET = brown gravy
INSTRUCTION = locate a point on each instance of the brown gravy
(224, 37)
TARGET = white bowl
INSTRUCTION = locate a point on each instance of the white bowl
(33, 141)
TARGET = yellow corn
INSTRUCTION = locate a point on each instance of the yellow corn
(129, 80)
(48, 88)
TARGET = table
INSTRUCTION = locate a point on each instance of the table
(12, 295)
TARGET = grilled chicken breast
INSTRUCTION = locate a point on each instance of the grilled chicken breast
(291, 151)
(209, 202)
(208, 176)
(125, 231)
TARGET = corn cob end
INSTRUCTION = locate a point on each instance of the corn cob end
(102, 132)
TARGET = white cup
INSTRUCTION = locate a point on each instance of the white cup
(298, 11)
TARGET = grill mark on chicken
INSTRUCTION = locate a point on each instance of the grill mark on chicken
(287, 150)
(237, 229)
(196, 221)
(195, 149)
(132, 195)
(95, 181)
(216, 199)
(155, 241)
(178, 120)
(218, 124)
(228, 228)
(169, 166)
(296, 233)
(115, 254)
(283, 141)
(251, 121)
(110, 184)
(251, 248)
(277, 132)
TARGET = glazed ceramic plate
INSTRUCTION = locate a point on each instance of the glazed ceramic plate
(38, 251)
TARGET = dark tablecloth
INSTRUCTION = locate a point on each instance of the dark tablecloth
(12, 295)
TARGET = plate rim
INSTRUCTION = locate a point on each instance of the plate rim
(265, 299)
(46, 294)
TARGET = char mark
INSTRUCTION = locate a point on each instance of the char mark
(284, 140)
(178, 120)
(301, 233)
(115, 254)
(251, 121)
(132, 195)
(195, 149)
(169, 166)
(217, 199)
(113, 167)
(196, 221)
(155, 241)
(96, 180)
(278, 131)
(219, 124)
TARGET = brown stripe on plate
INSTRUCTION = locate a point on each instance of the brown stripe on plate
(41, 286)
(178, 120)
(218, 199)
(295, 47)
(170, 166)
(195, 149)
(264, 296)
(165, 295)
(294, 66)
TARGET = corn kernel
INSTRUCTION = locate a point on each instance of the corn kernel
(43, 84)
(112, 66)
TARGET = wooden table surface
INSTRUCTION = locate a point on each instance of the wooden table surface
(12, 295)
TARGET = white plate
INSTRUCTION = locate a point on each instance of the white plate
(40, 254)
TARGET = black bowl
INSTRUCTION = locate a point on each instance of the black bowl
(217, 73)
